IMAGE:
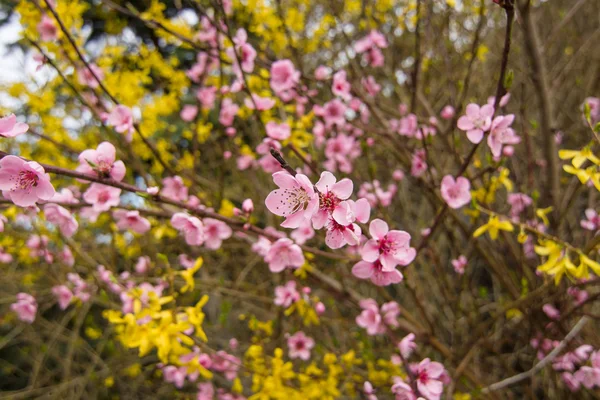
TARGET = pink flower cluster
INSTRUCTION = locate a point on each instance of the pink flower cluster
(209, 231)
(77, 289)
(25, 307)
(377, 320)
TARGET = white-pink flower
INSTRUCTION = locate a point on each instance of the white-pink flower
(86, 76)
(369, 318)
(286, 295)
(456, 193)
(174, 188)
(295, 199)
(299, 346)
(476, 121)
(121, 118)
(278, 131)
(284, 76)
(390, 247)
(101, 162)
(61, 217)
(215, 232)
(407, 345)
(191, 227)
(9, 127)
(102, 197)
(47, 29)
(502, 134)
(24, 182)
(592, 221)
(284, 253)
(428, 377)
(374, 271)
(63, 295)
(459, 264)
(25, 307)
(131, 220)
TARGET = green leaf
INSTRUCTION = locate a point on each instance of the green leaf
(508, 79)
(587, 111)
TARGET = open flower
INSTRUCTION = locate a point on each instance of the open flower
(131, 220)
(457, 192)
(390, 247)
(295, 199)
(300, 345)
(369, 318)
(121, 118)
(283, 254)
(283, 76)
(9, 127)
(25, 307)
(429, 375)
(374, 271)
(286, 295)
(102, 197)
(24, 182)
(190, 226)
(101, 162)
(215, 232)
(502, 134)
(61, 217)
(476, 121)
(331, 194)
(278, 131)
(63, 295)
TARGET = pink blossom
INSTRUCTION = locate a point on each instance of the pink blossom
(369, 318)
(207, 96)
(459, 264)
(191, 227)
(261, 103)
(518, 202)
(142, 265)
(226, 363)
(228, 111)
(121, 118)
(402, 390)
(476, 121)
(5, 258)
(418, 163)
(456, 193)
(278, 131)
(374, 39)
(189, 112)
(592, 221)
(571, 381)
(340, 86)
(47, 29)
(101, 162)
(407, 126)
(24, 182)
(340, 152)
(398, 175)
(61, 217)
(371, 86)
(588, 376)
(284, 253)
(447, 112)
(501, 134)
(390, 247)
(295, 199)
(503, 100)
(215, 232)
(86, 76)
(407, 345)
(299, 346)
(551, 311)
(322, 73)
(369, 391)
(594, 104)
(131, 220)
(333, 113)
(206, 391)
(374, 271)
(429, 374)
(331, 195)
(286, 295)
(245, 53)
(25, 307)
(174, 188)
(175, 375)
(320, 308)
(248, 206)
(390, 312)
(9, 127)
(102, 197)
(63, 295)
(284, 76)
(303, 233)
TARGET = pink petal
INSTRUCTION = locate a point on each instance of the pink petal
(378, 229)
(475, 135)
(326, 182)
(363, 269)
(343, 189)
(370, 251)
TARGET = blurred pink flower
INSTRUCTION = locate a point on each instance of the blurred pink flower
(102, 197)
(283, 76)
(63, 295)
(174, 188)
(131, 220)
(215, 232)
(459, 264)
(476, 121)
(86, 77)
(191, 227)
(47, 29)
(61, 217)
(9, 127)
(121, 118)
(374, 271)
(284, 253)
(278, 131)
(300, 345)
(25, 307)
(456, 193)
(101, 162)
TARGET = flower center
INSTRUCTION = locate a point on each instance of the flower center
(26, 180)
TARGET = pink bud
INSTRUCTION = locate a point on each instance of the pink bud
(398, 175)
(320, 308)
(227, 155)
(153, 190)
(248, 206)
(370, 142)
